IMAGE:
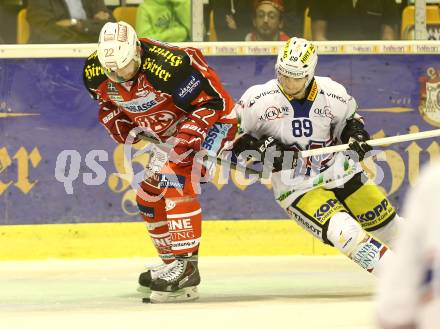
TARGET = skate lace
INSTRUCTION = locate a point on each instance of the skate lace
(174, 271)
(155, 267)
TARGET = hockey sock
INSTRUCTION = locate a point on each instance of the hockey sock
(153, 213)
(346, 234)
(185, 224)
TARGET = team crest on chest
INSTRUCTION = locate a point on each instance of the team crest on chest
(158, 121)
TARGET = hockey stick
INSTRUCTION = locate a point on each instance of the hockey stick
(372, 142)
(219, 161)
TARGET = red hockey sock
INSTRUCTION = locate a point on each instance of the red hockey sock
(153, 213)
(185, 224)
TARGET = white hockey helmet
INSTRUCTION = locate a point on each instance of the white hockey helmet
(297, 59)
(117, 46)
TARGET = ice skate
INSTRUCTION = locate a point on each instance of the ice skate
(145, 278)
(177, 282)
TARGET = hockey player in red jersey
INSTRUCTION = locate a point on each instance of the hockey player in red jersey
(174, 94)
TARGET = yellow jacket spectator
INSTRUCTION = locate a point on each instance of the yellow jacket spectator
(165, 20)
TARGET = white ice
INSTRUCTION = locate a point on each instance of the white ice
(236, 292)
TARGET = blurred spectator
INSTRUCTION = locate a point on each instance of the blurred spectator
(294, 17)
(164, 20)
(408, 295)
(268, 21)
(66, 21)
(8, 18)
(354, 19)
(232, 18)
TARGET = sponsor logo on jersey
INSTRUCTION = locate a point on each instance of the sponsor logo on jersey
(326, 210)
(215, 136)
(93, 55)
(92, 71)
(156, 69)
(171, 181)
(268, 92)
(264, 93)
(306, 56)
(429, 106)
(116, 98)
(170, 57)
(158, 121)
(339, 98)
(313, 91)
(273, 113)
(188, 86)
(324, 113)
(378, 213)
(142, 104)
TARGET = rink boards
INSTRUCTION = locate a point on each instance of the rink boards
(46, 115)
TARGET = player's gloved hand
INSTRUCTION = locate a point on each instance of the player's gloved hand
(356, 136)
(359, 145)
(186, 143)
(272, 152)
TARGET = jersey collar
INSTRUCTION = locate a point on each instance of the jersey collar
(311, 92)
(301, 108)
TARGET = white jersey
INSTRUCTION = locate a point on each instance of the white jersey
(409, 290)
(315, 122)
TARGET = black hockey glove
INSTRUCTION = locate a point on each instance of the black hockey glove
(355, 135)
(272, 151)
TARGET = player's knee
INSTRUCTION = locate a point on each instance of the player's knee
(344, 232)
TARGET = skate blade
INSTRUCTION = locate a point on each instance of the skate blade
(182, 295)
(144, 290)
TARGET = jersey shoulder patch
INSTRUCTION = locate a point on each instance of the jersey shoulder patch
(93, 73)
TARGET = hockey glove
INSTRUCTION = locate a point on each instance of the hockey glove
(356, 137)
(271, 150)
(186, 143)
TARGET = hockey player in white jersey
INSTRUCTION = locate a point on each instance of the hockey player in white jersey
(409, 289)
(329, 196)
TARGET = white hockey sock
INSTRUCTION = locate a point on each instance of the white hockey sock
(347, 235)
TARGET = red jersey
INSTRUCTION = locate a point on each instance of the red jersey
(173, 84)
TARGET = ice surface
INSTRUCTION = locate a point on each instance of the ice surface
(236, 292)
